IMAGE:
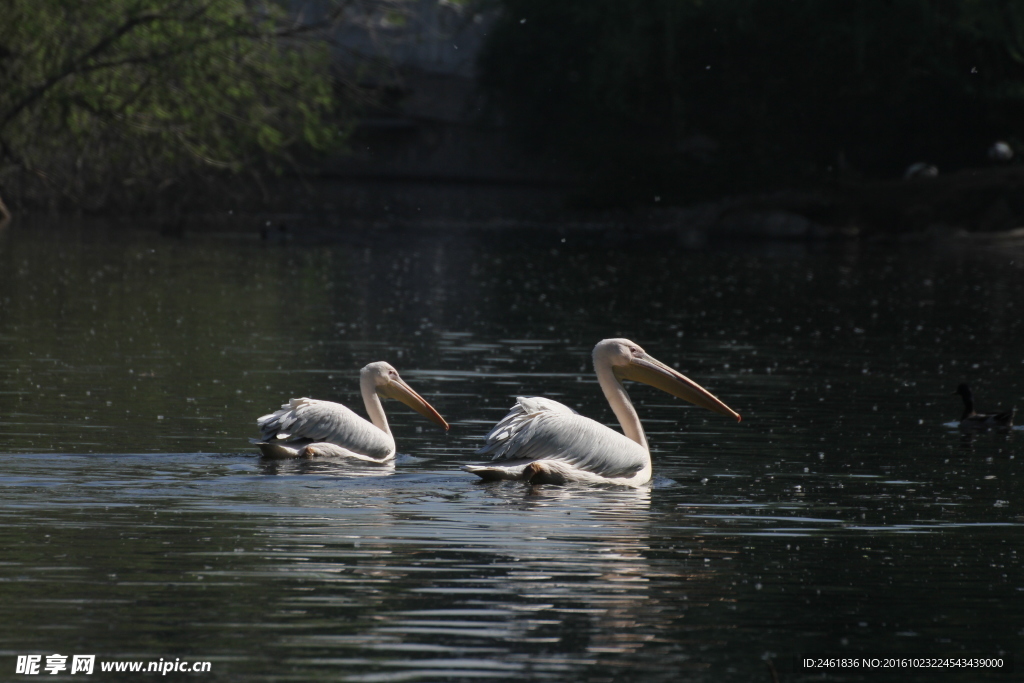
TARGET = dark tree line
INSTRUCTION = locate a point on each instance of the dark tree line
(148, 102)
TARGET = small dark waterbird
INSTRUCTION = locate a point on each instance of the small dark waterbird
(972, 420)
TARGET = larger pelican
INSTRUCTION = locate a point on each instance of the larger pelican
(306, 427)
(544, 442)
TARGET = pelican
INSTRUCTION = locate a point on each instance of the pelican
(544, 442)
(972, 420)
(306, 427)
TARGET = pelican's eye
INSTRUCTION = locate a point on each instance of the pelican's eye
(635, 350)
(392, 374)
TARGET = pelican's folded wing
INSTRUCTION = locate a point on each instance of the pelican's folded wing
(542, 429)
(313, 420)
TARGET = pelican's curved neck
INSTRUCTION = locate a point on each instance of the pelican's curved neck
(618, 399)
(374, 409)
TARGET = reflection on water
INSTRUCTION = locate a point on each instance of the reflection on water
(842, 515)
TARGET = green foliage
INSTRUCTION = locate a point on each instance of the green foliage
(783, 88)
(103, 96)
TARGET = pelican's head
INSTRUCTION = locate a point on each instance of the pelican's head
(388, 384)
(628, 361)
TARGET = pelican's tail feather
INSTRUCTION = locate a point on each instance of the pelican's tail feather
(496, 472)
(280, 449)
(535, 472)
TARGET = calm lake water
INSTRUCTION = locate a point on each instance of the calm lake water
(846, 515)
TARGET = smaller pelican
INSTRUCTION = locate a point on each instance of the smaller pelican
(972, 420)
(306, 427)
(544, 442)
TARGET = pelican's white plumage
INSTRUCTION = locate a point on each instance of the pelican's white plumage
(543, 441)
(306, 427)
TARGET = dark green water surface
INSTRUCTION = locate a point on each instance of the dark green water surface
(845, 515)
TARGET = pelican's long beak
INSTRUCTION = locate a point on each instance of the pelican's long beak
(652, 371)
(398, 389)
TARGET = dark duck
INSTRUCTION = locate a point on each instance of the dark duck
(972, 420)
